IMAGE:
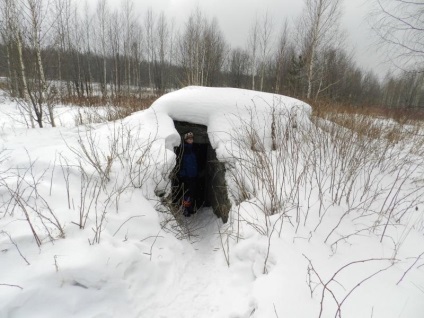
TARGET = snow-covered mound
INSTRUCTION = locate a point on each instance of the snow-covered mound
(220, 109)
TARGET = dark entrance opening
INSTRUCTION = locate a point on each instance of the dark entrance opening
(211, 188)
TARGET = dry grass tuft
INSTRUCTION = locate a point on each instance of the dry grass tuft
(366, 120)
(400, 115)
(98, 109)
(131, 103)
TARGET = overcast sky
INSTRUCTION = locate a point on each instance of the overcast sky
(236, 16)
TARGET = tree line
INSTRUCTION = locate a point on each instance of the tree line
(53, 49)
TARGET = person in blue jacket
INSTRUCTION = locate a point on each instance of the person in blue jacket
(188, 173)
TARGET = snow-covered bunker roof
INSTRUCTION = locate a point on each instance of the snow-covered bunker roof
(228, 114)
(220, 109)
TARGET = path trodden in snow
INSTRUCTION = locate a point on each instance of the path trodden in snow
(203, 285)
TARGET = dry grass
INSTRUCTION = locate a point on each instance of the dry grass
(131, 103)
(98, 110)
(4, 86)
(369, 168)
(400, 115)
(366, 120)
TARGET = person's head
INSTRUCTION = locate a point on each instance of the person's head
(189, 137)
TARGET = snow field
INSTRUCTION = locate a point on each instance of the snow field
(291, 223)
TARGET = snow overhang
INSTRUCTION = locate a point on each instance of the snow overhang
(220, 109)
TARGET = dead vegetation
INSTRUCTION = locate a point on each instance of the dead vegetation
(96, 109)
(131, 103)
(400, 115)
(394, 125)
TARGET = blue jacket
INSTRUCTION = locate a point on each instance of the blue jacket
(188, 162)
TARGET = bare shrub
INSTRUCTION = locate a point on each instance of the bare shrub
(260, 168)
(16, 246)
(173, 221)
(361, 169)
(267, 169)
(329, 286)
(99, 110)
(356, 165)
(89, 193)
(368, 167)
(90, 153)
(4, 174)
(124, 162)
(26, 197)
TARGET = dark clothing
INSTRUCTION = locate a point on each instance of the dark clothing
(189, 192)
(188, 162)
(189, 186)
(188, 177)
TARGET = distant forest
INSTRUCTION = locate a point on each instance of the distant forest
(62, 48)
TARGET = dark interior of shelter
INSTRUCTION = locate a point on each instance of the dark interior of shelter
(211, 188)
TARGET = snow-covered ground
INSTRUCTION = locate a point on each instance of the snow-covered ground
(318, 227)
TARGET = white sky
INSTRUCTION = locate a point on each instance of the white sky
(236, 16)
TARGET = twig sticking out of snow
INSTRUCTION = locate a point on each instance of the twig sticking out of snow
(326, 288)
(16, 245)
(406, 272)
(11, 285)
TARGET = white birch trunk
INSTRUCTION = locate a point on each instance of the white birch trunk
(23, 77)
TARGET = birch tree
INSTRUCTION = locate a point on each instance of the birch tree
(77, 46)
(190, 48)
(149, 25)
(115, 47)
(239, 68)
(128, 24)
(8, 35)
(38, 95)
(12, 13)
(252, 43)
(318, 26)
(162, 36)
(214, 52)
(265, 44)
(281, 56)
(137, 56)
(103, 19)
(62, 10)
(399, 25)
(87, 38)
